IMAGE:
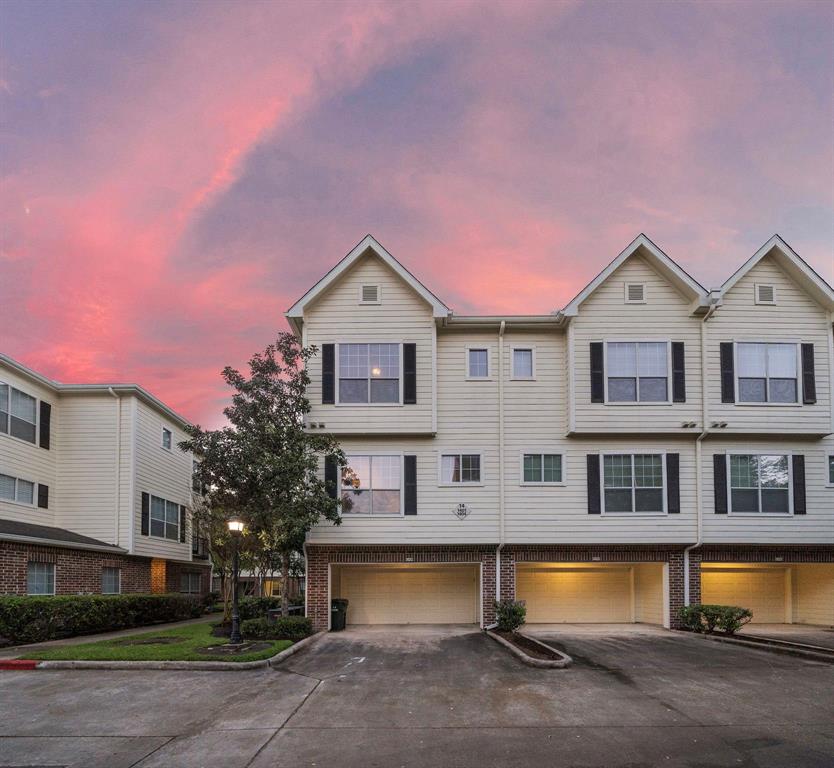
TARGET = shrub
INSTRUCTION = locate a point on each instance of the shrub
(210, 600)
(510, 614)
(707, 618)
(283, 628)
(36, 619)
(256, 607)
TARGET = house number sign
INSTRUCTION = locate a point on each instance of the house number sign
(461, 511)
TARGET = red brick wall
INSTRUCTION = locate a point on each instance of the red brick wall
(174, 569)
(736, 553)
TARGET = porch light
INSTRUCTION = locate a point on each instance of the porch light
(235, 525)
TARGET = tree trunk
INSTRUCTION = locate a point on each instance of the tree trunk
(285, 583)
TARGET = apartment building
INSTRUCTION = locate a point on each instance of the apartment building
(651, 444)
(93, 490)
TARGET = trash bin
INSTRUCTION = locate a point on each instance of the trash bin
(338, 614)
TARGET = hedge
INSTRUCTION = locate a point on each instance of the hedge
(35, 619)
(707, 618)
(283, 628)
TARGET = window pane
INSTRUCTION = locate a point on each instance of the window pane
(478, 363)
(775, 500)
(166, 438)
(359, 469)
(552, 468)
(532, 468)
(622, 390)
(353, 361)
(4, 407)
(652, 359)
(23, 406)
(783, 390)
(617, 500)
(617, 472)
(752, 360)
(653, 390)
(110, 581)
(744, 471)
(470, 468)
(385, 390)
(25, 492)
(752, 390)
(622, 359)
(773, 471)
(384, 361)
(450, 469)
(386, 502)
(648, 500)
(360, 502)
(22, 429)
(523, 363)
(157, 508)
(648, 471)
(781, 361)
(831, 469)
(172, 532)
(353, 390)
(385, 472)
(172, 512)
(157, 528)
(745, 500)
(6, 487)
(40, 579)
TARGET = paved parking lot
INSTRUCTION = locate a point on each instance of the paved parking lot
(438, 697)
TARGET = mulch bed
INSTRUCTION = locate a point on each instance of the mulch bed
(529, 647)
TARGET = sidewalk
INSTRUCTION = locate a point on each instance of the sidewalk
(20, 650)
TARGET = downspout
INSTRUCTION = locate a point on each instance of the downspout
(118, 462)
(501, 330)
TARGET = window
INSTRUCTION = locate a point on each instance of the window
(638, 372)
(635, 293)
(369, 294)
(111, 581)
(166, 438)
(767, 373)
(40, 579)
(165, 519)
(17, 413)
(460, 468)
(369, 373)
(524, 363)
(633, 483)
(760, 483)
(831, 470)
(477, 365)
(372, 484)
(541, 468)
(765, 294)
(190, 583)
(15, 489)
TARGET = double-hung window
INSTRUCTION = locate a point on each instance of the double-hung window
(477, 363)
(760, 483)
(369, 373)
(767, 373)
(460, 468)
(166, 438)
(165, 519)
(638, 372)
(372, 485)
(15, 489)
(633, 482)
(17, 413)
(541, 468)
(831, 470)
(523, 363)
(111, 581)
(40, 578)
(190, 583)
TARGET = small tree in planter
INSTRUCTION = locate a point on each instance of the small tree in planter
(510, 614)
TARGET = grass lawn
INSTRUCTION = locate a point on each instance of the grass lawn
(185, 648)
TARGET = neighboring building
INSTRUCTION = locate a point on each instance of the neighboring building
(93, 490)
(584, 461)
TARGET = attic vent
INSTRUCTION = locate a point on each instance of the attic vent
(635, 293)
(765, 294)
(369, 295)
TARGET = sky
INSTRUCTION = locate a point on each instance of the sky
(173, 176)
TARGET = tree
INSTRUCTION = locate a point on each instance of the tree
(264, 465)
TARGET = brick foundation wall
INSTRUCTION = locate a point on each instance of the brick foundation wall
(738, 553)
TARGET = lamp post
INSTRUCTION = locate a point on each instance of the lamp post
(236, 529)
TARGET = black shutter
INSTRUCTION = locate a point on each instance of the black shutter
(719, 469)
(678, 373)
(594, 507)
(809, 382)
(410, 484)
(146, 514)
(46, 417)
(409, 374)
(331, 481)
(328, 374)
(597, 373)
(799, 484)
(728, 374)
(43, 496)
(673, 483)
(182, 524)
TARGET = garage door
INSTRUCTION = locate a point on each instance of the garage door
(762, 590)
(583, 595)
(410, 594)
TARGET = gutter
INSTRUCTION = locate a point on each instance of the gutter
(501, 330)
(118, 462)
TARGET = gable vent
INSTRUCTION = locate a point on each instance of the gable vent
(370, 294)
(635, 293)
(765, 294)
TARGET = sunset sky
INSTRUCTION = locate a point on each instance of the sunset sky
(175, 175)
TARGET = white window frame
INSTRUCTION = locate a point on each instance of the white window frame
(540, 452)
(8, 432)
(26, 504)
(338, 388)
(756, 294)
(54, 580)
(776, 452)
(522, 347)
(371, 454)
(162, 439)
(479, 348)
(625, 292)
(151, 497)
(378, 295)
(607, 372)
(634, 452)
(460, 452)
(119, 584)
(768, 404)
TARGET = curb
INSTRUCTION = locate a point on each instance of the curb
(565, 661)
(799, 651)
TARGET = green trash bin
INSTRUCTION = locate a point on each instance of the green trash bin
(338, 614)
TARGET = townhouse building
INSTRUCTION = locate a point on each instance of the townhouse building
(650, 445)
(93, 490)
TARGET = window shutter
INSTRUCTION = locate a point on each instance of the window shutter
(719, 468)
(594, 507)
(799, 484)
(146, 514)
(809, 382)
(182, 524)
(597, 373)
(331, 482)
(328, 374)
(673, 483)
(46, 418)
(409, 374)
(728, 374)
(410, 484)
(678, 373)
(43, 496)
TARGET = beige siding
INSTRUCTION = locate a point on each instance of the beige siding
(402, 317)
(813, 594)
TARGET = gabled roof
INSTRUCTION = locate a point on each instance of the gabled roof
(684, 283)
(368, 243)
(798, 269)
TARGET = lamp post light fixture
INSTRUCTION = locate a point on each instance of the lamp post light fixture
(236, 529)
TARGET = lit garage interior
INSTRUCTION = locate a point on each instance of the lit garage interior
(409, 593)
(594, 593)
(776, 593)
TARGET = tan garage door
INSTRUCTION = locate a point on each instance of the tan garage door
(410, 594)
(762, 590)
(597, 594)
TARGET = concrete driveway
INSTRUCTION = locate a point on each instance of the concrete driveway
(438, 697)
